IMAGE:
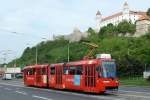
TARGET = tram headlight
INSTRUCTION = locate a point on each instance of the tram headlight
(116, 81)
(106, 81)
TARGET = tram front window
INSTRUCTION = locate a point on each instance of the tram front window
(108, 70)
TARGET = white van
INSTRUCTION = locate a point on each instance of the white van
(7, 76)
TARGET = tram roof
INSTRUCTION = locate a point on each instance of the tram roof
(36, 66)
(82, 62)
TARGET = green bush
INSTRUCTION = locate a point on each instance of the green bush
(126, 27)
(148, 12)
(123, 27)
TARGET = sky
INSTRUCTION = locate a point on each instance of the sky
(25, 23)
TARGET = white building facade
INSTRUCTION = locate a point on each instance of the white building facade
(125, 14)
(142, 27)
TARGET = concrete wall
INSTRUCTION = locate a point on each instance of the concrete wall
(142, 27)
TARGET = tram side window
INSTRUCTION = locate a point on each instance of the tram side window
(72, 70)
(79, 70)
(65, 70)
(98, 69)
(44, 71)
(25, 72)
(52, 70)
(75, 70)
(31, 71)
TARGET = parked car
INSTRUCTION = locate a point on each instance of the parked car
(19, 75)
(146, 75)
(7, 76)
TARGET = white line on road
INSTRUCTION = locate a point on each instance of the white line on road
(39, 97)
(12, 85)
(7, 89)
(133, 92)
(17, 88)
(21, 92)
(138, 96)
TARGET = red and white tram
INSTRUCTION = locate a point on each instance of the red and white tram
(93, 75)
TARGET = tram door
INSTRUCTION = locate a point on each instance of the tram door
(25, 73)
(90, 77)
(38, 76)
(59, 72)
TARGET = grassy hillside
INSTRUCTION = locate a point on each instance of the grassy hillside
(131, 54)
(51, 52)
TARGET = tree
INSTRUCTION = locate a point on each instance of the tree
(110, 29)
(148, 12)
(91, 31)
(103, 30)
(126, 27)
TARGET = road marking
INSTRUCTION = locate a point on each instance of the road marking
(17, 88)
(39, 97)
(12, 85)
(146, 97)
(105, 98)
(133, 92)
(14, 82)
(7, 89)
(21, 92)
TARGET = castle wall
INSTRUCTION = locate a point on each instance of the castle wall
(116, 20)
(142, 27)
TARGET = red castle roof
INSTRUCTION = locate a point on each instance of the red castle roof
(120, 13)
(98, 13)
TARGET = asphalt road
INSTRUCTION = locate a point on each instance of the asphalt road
(15, 90)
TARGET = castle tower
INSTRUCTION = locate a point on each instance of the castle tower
(125, 8)
(126, 12)
(98, 20)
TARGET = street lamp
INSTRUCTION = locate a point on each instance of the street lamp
(68, 52)
(36, 52)
(36, 58)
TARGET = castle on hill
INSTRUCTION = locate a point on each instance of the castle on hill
(116, 18)
(140, 18)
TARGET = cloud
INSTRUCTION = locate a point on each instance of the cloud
(43, 18)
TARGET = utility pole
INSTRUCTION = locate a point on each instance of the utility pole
(15, 65)
(36, 54)
(36, 51)
(68, 51)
